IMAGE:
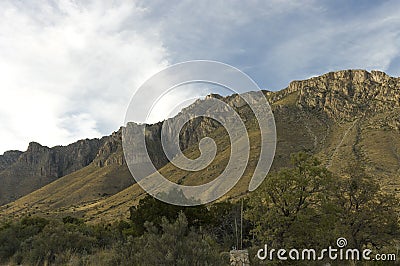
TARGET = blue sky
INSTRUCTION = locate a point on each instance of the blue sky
(69, 68)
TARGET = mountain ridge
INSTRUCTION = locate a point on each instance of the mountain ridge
(40, 165)
(357, 86)
(340, 117)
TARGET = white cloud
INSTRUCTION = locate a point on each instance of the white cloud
(169, 104)
(278, 41)
(68, 70)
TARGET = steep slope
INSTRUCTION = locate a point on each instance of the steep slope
(343, 117)
(105, 176)
(40, 165)
(365, 110)
(8, 158)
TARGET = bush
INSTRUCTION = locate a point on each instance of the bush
(56, 239)
(153, 210)
(12, 235)
(173, 244)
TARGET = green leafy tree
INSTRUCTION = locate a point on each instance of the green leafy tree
(153, 210)
(224, 225)
(173, 244)
(365, 215)
(72, 220)
(12, 235)
(306, 206)
(286, 209)
(56, 239)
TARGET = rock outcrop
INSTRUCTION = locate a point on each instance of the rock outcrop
(24, 172)
(348, 94)
(320, 102)
(8, 158)
(111, 151)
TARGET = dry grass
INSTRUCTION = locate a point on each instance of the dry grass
(105, 194)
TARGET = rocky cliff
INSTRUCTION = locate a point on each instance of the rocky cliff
(346, 94)
(341, 117)
(8, 158)
(24, 172)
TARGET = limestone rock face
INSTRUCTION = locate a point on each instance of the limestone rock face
(60, 160)
(24, 172)
(334, 97)
(8, 158)
(347, 94)
(111, 151)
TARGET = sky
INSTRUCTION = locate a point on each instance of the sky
(68, 69)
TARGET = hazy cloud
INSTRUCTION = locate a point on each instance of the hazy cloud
(278, 41)
(69, 68)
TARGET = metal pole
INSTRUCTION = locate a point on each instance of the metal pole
(237, 237)
(241, 226)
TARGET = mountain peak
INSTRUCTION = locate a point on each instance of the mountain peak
(35, 147)
(347, 94)
(214, 95)
(349, 76)
(11, 153)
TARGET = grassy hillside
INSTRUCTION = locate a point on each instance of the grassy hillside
(369, 137)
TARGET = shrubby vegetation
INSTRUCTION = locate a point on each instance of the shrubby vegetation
(171, 244)
(306, 206)
(302, 206)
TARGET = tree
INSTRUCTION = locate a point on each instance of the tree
(12, 235)
(366, 215)
(173, 244)
(306, 206)
(286, 209)
(153, 210)
(56, 239)
(222, 224)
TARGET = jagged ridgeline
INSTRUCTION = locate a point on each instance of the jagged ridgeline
(344, 118)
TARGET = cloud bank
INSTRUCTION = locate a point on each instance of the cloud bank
(69, 68)
(68, 71)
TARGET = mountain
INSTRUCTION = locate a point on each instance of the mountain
(344, 118)
(8, 158)
(24, 172)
